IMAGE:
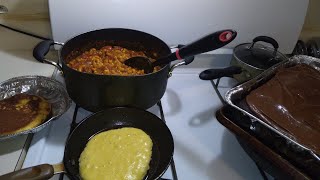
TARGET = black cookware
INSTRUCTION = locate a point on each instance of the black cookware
(95, 92)
(313, 47)
(300, 48)
(248, 60)
(162, 150)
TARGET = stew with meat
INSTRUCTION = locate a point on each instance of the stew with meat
(109, 60)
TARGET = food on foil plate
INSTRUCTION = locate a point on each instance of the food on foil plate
(22, 112)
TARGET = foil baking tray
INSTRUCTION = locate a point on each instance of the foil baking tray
(52, 90)
(236, 98)
(261, 147)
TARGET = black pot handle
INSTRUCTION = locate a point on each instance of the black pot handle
(41, 50)
(207, 43)
(211, 74)
(187, 60)
(266, 39)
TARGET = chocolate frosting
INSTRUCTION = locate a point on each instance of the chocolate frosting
(290, 102)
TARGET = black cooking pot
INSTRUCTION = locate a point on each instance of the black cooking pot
(112, 118)
(95, 92)
(248, 61)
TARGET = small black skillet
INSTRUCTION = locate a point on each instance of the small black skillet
(162, 150)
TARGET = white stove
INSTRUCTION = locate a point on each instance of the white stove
(203, 148)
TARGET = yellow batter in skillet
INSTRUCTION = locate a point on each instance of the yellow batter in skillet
(118, 154)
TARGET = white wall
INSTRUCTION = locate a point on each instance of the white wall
(311, 27)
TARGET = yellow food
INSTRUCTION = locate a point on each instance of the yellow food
(118, 154)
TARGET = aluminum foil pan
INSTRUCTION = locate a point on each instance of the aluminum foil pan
(236, 95)
(52, 90)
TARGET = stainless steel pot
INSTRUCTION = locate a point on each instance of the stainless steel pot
(248, 61)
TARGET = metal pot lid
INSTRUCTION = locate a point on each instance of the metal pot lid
(258, 55)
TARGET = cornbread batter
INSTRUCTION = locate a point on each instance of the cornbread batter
(118, 154)
(22, 112)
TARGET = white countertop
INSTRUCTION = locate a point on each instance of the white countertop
(204, 149)
(13, 63)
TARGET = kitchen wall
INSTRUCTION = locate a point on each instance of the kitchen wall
(311, 26)
(33, 16)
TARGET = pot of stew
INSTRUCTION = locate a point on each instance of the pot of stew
(97, 78)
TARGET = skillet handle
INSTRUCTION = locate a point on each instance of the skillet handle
(211, 74)
(40, 172)
(41, 50)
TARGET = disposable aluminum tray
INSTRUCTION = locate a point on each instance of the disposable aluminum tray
(52, 90)
(236, 98)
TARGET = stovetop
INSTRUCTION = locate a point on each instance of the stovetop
(203, 148)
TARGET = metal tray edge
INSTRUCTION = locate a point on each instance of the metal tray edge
(229, 96)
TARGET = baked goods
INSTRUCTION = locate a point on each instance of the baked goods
(123, 153)
(290, 101)
(22, 112)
